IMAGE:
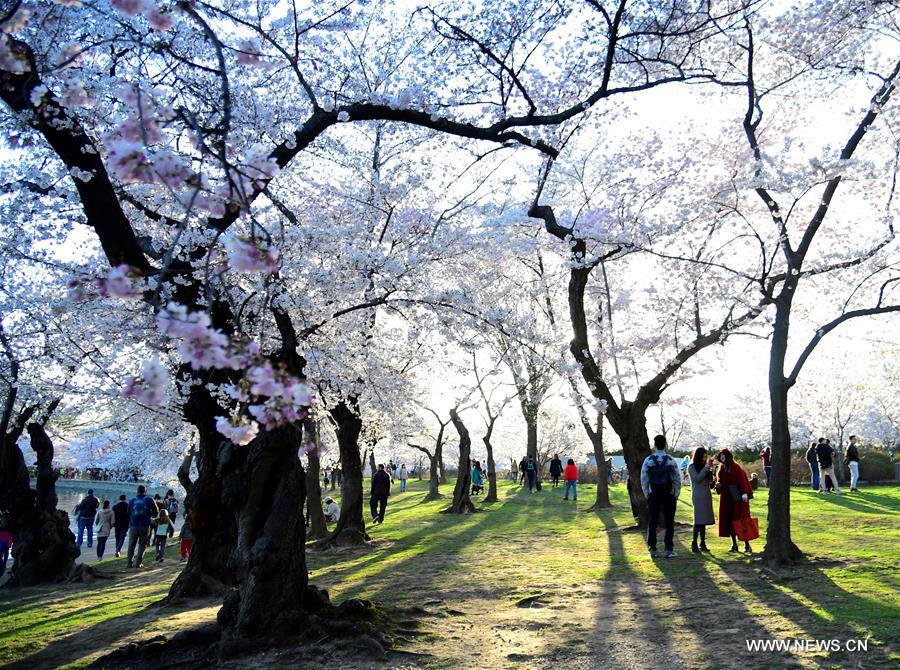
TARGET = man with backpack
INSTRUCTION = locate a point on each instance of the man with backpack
(141, 510)
(531, 471)
(170, 504)
(661, 481)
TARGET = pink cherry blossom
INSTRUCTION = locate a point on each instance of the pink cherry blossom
(240, 434)
(251, 256)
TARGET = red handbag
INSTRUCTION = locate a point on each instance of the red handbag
(746, 529)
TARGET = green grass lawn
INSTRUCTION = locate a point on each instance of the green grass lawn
(534, 581)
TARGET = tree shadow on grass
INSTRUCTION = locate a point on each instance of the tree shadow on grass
(632, 629)
(855, 504)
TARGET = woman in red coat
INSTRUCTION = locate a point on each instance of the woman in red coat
(734, 491)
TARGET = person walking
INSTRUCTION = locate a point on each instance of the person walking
(6, 543)
(734, 491)
(571, 479)
(813, 462)
(477, 478)
(120, 524)
(701, 475)
(556, 469)
(105, 520)
(661, 482)
(170, 504)
(141, 509)
(381, 489)
(766, 457)
(531, 471)
(825, 454)
(852, 459)
(162, 531)
(404, 475)
(522, 465)
(187, 538)
(87, 511)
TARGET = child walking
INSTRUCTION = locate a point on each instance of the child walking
(163, 531)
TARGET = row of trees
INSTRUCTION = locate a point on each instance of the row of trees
(292, 217)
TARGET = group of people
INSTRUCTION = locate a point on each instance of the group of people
(820, 457)
(661, 481)
(141, 520)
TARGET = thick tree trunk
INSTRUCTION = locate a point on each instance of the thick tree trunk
(462, 503)
(351, 527)
(315, 516)
(491, 468)
(780, 549)
(209, 570)
(44, 548)
(441, 470)
(265, 485)
(631, 428)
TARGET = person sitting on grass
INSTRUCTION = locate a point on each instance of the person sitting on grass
(163, 530)
(332, 510)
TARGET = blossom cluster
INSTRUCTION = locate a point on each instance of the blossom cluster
(119, 282)
(151, 387)
(273, 396)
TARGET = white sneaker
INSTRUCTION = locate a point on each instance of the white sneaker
(670, 553)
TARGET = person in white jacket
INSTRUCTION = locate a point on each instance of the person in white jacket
(332, 510)
(403, 476)
(105, 520)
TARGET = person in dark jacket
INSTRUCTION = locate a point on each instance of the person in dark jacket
(381, 489)
(813, 465)
(556, 469)
(87, 511)
(825, 453)
(852, 459)
(120, 523)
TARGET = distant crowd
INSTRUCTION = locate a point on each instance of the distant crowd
(143, 521)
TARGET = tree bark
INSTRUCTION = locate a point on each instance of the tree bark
(780, 548)
(491, 465)
(596, 438)
(184, 470)
(462, 503)
(531, 428)
(351, 527)
(317, 526)
(44, 548)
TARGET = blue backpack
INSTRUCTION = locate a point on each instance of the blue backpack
(140, 512)
(659, 472)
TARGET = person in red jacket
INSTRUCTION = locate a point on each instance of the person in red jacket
(571, 475)
(734, 491)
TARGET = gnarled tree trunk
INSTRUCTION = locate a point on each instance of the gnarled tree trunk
(44, 548)
(596, 437)
(462, 503)
(351, 527)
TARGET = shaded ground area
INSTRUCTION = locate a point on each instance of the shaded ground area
(536, 582)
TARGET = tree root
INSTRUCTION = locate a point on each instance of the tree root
(365, 629)
(348, 537)
(86, 574)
